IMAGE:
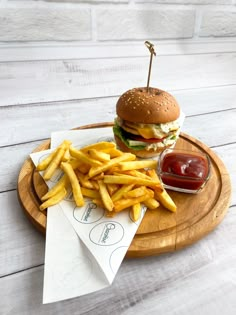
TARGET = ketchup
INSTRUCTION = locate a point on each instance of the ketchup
(184, 170)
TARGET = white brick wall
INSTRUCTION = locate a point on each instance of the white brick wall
(218, 23)
(140, 24)
(31, 24)
(102, 21)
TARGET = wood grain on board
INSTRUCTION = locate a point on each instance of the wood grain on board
(161, 230)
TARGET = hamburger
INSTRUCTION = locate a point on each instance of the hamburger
(147, 122)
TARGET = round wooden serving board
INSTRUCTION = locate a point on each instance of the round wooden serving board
(161, 230)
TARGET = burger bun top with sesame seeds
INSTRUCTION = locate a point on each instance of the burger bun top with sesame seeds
(149, 107)
(147, 122)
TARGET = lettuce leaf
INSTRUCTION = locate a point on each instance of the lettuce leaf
(123, 135)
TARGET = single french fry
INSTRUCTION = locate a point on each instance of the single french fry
(136, 211)
(65, 143)
(74, 163)
(106, 199)
(84, 168)
(78, 197)
(103, 145)
(135, 165)
(136, 174)
(98, 202)
(81, 156)
(151, 203)
(110, 214)
(153, 174)
(66, 156)
(137, 192)
(98, 177)
(119, 193)
(150, 192)
(99, 155)
(54, 199)
(166, 200)
(122, 204)
(113, 152)
(45, 162)
(54, 164)
(112, 170)
(83, 180)
(112, 188)
(163, 196)
(127, 179)
(91, 193)
(95, 184)
(95, 170)
(62, 183)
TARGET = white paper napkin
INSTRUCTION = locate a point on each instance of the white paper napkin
(84, 249)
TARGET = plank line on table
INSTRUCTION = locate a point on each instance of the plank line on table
(54, 51)
(159, 277)
(214, 130)
(12, 158)
(175, 92)
(21, 270)
(22, 246)
(43, 81)
(18, 120)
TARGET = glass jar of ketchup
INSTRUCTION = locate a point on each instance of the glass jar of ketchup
(185, 171)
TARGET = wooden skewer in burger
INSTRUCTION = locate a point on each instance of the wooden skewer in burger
(148, 119)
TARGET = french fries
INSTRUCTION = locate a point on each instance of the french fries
(151, 203)
(137, 192)
(113, 152)
(83, 157)
(62, 183)
(112, 188)
(78, 197)
(98, 155)
(163, 196)
(120, 192)
(100, 146)
(111, 178)
(135, 165)
(59, 196)
(85, 182)
(44, 164)
(56, 160)
(136, 211)
(91, 193)
(127, 179)
(122, 204)
(106, 199)
(113, 162)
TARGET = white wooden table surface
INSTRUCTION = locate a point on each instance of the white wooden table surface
(60, 87)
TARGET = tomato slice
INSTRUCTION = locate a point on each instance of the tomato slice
(151, 140)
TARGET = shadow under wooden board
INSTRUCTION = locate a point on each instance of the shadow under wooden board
(160, 230)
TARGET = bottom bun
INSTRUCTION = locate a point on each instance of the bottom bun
(140, 153)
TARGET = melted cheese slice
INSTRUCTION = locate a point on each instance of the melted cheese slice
(147, 131)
